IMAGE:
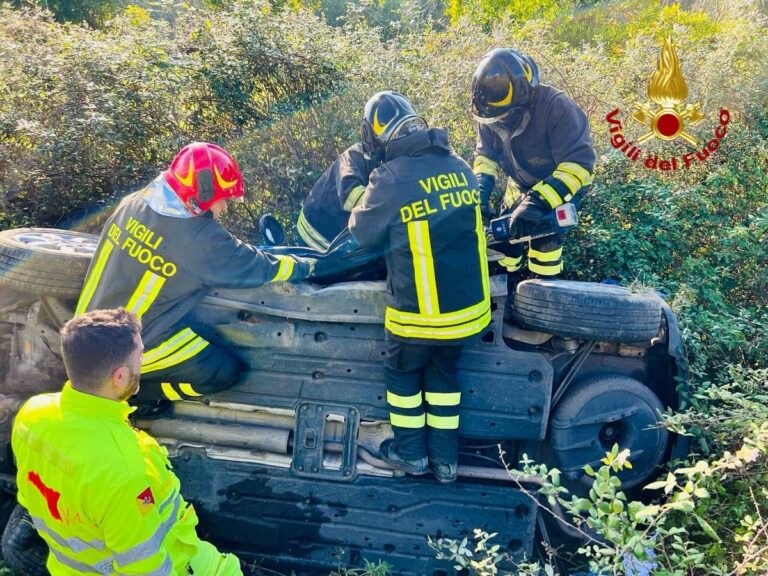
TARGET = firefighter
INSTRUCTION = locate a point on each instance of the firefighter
(422, 207)
(99, 492)
(160, 252)
(325, 211)
(539, 138)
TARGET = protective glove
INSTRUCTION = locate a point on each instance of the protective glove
(311, 264)
(486, 184)
(307, 266)
(527, 216)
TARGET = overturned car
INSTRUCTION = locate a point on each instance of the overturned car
(283, 468)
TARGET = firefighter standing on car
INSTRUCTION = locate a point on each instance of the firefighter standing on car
(540, 139)
(100, 493)
(160, 252)
(422, 207)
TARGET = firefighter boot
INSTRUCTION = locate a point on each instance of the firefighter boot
(444, 473)
(388, 450)
(272, 233)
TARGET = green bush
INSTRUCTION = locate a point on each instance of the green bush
(87, 115)
(92, 12)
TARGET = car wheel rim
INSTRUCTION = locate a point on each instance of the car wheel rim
(61, 241)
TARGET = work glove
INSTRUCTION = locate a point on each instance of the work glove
(486, 184)
(307, 266)
(527, 216)
(311, 263)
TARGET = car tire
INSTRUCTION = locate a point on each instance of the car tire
(45, 261)
(588, 310)
(23, 549)
(600, 411)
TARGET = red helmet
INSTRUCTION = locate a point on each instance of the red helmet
(203, 173)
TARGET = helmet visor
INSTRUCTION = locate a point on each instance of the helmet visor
(408, 127)
(507, 115)
(486, 121)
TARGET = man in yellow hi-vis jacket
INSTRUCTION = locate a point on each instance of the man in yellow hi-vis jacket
(422, 206)
(158, 255)
(100, 493)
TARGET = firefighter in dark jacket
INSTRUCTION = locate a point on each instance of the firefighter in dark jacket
(540, 139)
(158, 255)
(325, 211)
(422, 207)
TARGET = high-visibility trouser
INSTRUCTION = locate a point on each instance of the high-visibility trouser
(423, 395)
(545, 255)
(186, 366)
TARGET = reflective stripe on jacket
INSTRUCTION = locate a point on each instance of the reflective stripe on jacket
(101, 494)
(325, 211)
(160, 266)
(422, 206)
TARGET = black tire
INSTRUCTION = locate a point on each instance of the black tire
(23, 549)
(588, 310)
(45, 261)
(600, 411)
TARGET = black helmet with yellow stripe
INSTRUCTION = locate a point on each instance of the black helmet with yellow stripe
(503, 84)
(386, 117)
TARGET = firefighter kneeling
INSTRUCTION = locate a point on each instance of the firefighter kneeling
(422, 206)
(160, 252)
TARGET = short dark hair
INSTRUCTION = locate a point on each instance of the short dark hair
(95, 343)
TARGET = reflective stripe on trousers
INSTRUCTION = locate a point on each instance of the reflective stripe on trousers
(312, 237)
(180, 347)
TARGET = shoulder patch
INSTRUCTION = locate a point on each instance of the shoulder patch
(145, 501)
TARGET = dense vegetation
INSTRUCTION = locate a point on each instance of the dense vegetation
(88, 114)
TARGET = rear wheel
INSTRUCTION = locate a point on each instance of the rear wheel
(601, 411)
(45, 261)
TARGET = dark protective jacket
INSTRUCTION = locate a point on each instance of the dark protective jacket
(553, 155)
(159, 262)
(422, 206)
(325, 212)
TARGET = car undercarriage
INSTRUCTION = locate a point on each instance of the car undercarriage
(283, 468)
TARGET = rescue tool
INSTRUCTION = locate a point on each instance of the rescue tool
(561, 219)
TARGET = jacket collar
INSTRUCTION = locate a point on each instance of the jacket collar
(418, 142)
(159, 196)
(92, 406)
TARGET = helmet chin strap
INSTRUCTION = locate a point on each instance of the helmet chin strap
(522, 125)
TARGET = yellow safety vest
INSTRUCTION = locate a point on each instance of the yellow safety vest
(102, 494)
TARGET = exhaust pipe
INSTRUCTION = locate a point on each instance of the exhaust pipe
(261, 430)
(234, 435)
(369, 436)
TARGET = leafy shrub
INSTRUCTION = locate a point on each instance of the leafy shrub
(92, 12)
(689, 529)
(86, 115)
(487, 11)
(695, 235)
